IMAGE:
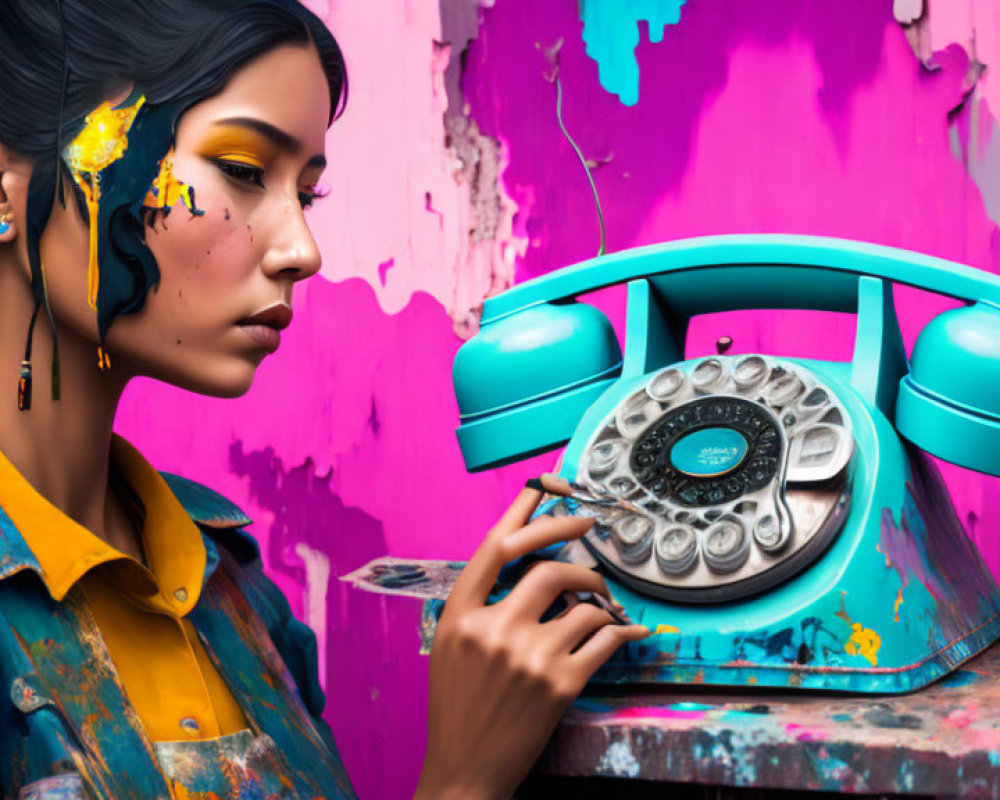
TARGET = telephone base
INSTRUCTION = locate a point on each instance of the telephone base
(904, 601)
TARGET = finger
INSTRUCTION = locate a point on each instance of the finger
(544, 582)
(519, 512)
(602, 644)
(542, 532)
(575, 626)
(477, 578)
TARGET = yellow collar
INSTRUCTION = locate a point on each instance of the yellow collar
(66, 551)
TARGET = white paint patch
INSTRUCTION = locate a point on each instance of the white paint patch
(619, 761)
(907, 12)
(314, 598)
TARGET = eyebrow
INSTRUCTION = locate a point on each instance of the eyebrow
(276, 135)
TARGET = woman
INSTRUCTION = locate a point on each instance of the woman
(155, 161)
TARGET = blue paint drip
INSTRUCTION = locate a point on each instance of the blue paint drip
(611, 33)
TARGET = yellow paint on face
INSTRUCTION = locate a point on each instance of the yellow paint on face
(666, 629)
(239, 145)
(166, 190)
(897, 604)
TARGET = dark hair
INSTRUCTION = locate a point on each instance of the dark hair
(59, 59)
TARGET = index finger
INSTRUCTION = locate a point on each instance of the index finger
(479, 575)
(509, 541)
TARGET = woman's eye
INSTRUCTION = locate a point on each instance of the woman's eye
(244, 173)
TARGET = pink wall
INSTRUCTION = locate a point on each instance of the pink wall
(807, 116)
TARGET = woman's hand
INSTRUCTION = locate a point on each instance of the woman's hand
(500, 679)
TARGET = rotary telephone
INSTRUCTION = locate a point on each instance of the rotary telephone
(775, 521)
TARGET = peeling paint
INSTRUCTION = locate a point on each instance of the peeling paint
(974, 28)
(416, 125)
(491, 250)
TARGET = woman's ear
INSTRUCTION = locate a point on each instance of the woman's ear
(9, 185)
(8, 222)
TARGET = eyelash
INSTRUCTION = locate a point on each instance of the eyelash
(307, 198)
(254, 176)
(242, 173)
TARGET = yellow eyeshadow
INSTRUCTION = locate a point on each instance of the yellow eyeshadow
(237, 145)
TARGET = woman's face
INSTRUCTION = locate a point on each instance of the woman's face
(253, 154)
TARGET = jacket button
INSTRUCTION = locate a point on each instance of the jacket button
(190, 725)
(181, 595)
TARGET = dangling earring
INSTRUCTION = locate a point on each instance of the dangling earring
(24, 379)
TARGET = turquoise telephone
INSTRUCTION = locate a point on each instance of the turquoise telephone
(772, 520)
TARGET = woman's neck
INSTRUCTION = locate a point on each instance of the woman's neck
(61, 447)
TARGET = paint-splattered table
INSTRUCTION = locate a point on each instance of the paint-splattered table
(943, 741)
(688, 742)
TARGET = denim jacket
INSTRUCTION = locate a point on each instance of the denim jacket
(68, 731)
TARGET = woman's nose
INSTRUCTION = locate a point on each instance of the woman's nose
(292, 252)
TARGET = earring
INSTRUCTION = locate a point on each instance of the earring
(5, 220)
(24, 378)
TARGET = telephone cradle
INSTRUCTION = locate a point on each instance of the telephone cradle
(774, 521)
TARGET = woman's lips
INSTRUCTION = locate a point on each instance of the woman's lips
(265, 326)
(268, 338)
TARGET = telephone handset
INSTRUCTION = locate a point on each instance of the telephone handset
(770, 497)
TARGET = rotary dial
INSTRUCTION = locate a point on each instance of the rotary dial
(736, 466)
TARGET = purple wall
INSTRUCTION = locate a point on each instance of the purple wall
(815, 116)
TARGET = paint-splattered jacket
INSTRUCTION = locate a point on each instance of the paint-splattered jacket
(68, 731)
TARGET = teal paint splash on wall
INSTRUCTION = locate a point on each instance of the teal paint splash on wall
(611, 33)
